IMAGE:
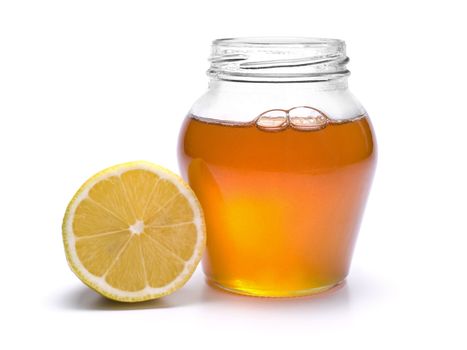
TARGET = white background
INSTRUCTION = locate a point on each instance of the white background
(87, 84)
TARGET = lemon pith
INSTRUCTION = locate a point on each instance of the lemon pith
(134, 232)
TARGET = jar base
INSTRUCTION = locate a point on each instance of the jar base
(274, 293)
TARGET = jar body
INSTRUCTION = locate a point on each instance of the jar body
(282, 201)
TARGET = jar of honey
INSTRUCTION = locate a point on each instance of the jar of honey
(281, 156)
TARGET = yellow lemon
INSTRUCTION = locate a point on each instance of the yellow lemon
(134, 232)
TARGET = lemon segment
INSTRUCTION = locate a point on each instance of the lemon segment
(134, 232)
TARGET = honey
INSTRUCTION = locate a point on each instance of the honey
(282, 204)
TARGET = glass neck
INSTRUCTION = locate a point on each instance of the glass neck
(240, 101)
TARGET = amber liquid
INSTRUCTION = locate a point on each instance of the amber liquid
(282, 208)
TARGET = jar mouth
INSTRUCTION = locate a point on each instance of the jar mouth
(286, 41)
(278, 59)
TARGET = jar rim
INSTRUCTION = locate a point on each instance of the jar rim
(278, 41)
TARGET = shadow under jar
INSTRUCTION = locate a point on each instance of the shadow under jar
(281, 156)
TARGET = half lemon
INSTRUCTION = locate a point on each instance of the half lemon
(134, 232)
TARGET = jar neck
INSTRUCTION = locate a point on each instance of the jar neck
(278, 60)
(243, 102)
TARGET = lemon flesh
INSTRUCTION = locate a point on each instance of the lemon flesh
(134, 232)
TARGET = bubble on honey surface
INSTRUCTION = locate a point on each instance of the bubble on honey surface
(307, 118)
(273, 120)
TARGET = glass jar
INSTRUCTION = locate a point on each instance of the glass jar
(281, 156)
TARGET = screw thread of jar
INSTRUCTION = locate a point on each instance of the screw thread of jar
(278, 59)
